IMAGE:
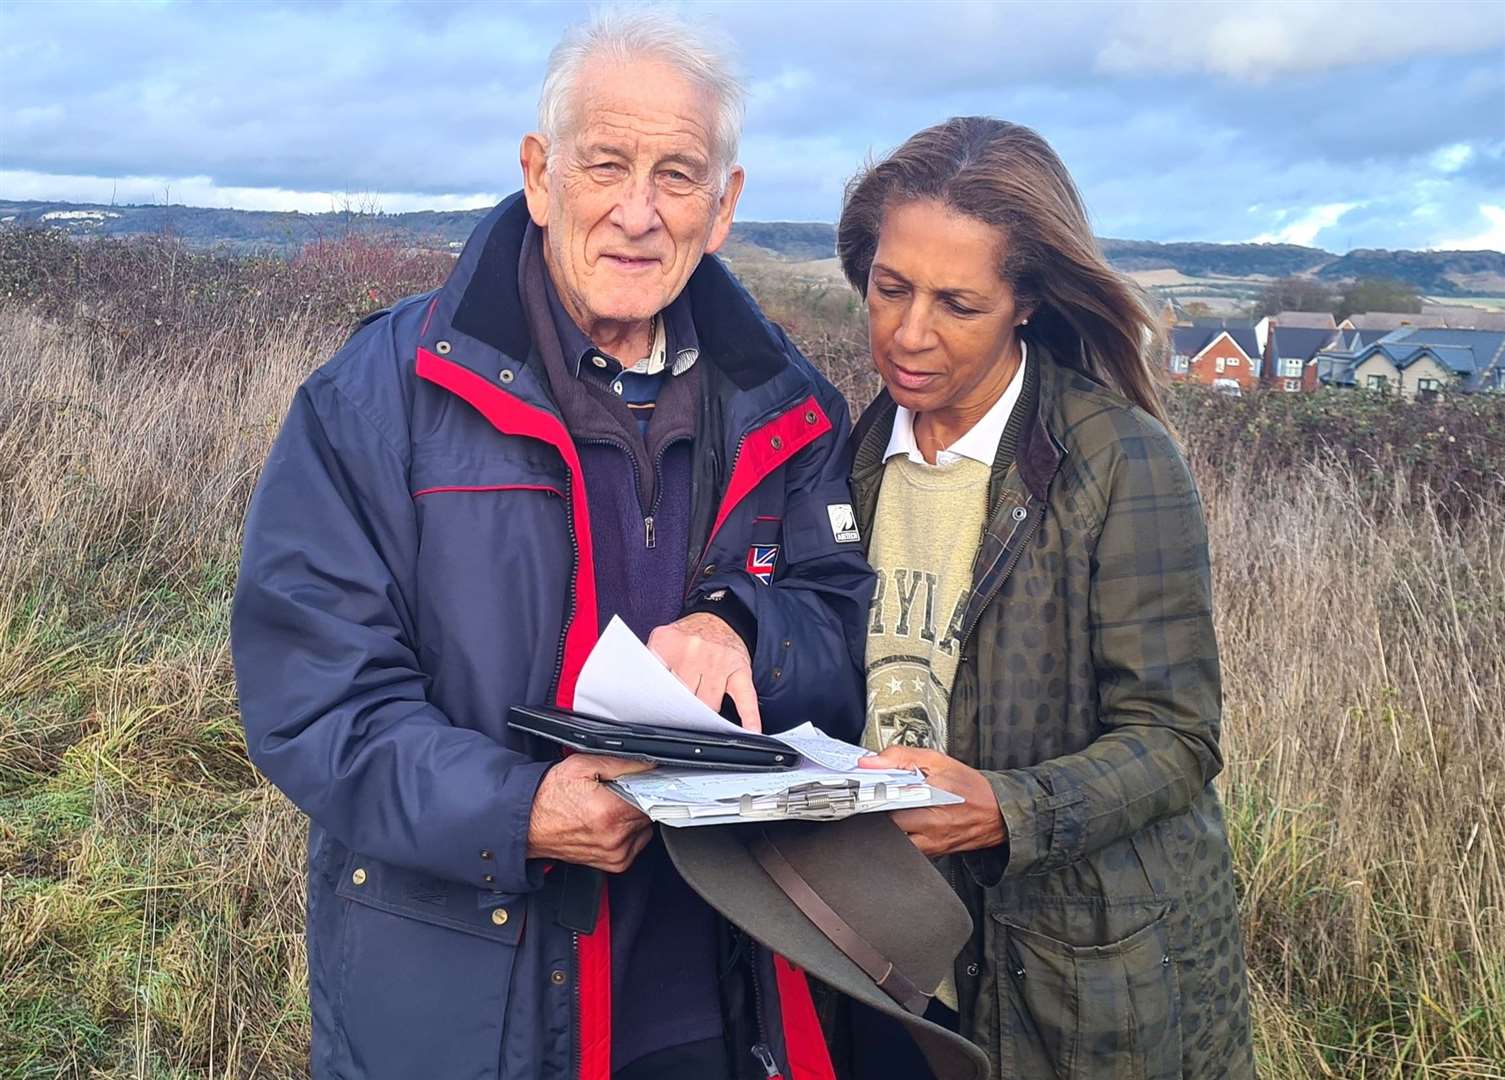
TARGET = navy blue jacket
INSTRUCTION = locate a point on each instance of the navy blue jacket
(417, 558)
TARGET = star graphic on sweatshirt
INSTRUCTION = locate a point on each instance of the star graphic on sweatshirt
(895, 685)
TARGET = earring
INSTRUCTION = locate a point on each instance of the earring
(1023, 322)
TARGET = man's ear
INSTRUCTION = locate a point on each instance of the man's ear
(534, 156)
(721, 228)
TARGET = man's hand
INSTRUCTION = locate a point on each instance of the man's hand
(577, 819)
(972, 825)
(711, 659)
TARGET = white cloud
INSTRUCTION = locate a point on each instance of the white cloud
(1449, 159)
(203, 191)
(1257, 40)
(1304, 229)
(1491, 238)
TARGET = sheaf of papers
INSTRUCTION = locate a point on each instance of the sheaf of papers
(622, 680)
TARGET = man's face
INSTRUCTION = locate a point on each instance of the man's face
(632, 198)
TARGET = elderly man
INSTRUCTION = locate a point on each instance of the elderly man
(590, 418)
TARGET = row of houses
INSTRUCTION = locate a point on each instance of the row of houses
(1303, 351)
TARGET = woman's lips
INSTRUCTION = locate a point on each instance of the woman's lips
(913, 380)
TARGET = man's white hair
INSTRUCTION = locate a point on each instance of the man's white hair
(620, 35)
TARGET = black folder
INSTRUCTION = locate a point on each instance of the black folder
(648, 742)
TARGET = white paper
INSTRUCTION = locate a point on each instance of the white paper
(622, 680)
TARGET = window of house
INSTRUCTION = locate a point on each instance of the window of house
(1293, 385)
(1220, 363)
(1292, 368)
(1378, 382)
(1233, 361)
(1178, 364)
(1428, 388)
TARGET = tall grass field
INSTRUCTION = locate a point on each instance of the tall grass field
(151, 882)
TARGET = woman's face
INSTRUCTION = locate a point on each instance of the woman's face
(940, 319)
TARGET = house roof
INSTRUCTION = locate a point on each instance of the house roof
(1189, 340)
(1300, 342)
(1476, 357)
(1311, 320)
(1245, 338)
(1465, 317)
(1391, 320)
(1218, 322)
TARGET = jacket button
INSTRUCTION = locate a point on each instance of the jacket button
(776, 442)
(505, 375)
(809, 416)
(778, 673)
(972, 970)
(359, 877)
(709, 570)
(442, 348)
(787, 643)
(557, 977)
(499, 916)
(1020, 513)
(485, 853)
(488, 878)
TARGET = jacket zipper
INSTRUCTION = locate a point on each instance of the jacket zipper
(694, 573)
(760, 1049)
(650, 528)
(575, 995)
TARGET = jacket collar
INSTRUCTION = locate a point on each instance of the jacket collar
(1037, 451)
(481, 300)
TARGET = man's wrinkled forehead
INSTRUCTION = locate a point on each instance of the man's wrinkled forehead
(624, 105)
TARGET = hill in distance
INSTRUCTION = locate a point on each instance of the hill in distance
(1437, 273)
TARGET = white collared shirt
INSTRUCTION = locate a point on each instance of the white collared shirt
(980, 443)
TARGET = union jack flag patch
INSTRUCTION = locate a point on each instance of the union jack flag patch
(761, 559)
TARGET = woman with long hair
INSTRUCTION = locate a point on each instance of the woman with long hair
(1041, 639)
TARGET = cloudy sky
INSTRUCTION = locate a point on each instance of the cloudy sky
(1371, 123)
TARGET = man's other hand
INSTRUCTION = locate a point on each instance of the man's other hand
(577, 819)
(711, 659)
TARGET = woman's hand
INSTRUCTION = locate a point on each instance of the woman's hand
(972, 825)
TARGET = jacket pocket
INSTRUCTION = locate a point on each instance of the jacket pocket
(424, 973)
(1090, 1012)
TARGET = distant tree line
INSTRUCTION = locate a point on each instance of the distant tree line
(1343, 300)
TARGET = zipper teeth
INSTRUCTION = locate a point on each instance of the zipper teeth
(575, 1062)
(571, 606)
(730, 472)
(757, 985)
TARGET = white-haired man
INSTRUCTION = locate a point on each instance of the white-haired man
(590, 418)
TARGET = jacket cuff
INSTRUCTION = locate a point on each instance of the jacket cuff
(505, 861)
(1045, 831)
(726, 606)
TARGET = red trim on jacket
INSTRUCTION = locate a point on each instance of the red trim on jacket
(803, 1040)
(513, 416)
(593, 969)
(766, 448)
(442, 489)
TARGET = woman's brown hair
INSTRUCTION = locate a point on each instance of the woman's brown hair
(1081, 310)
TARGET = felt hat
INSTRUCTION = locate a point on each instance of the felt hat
(853, 903)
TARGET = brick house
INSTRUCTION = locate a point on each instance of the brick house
(1288, 353)
(1222, 357)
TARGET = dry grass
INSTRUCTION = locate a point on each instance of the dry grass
(151, 909)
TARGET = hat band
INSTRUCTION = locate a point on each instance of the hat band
(856, 948)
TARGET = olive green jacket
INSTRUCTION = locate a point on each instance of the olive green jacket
(1106, 940)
